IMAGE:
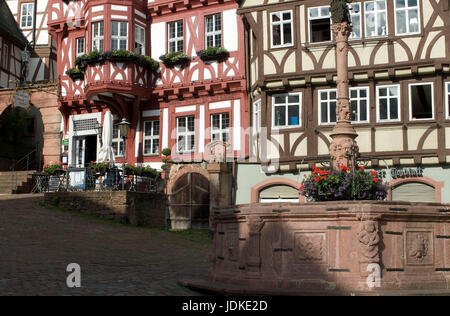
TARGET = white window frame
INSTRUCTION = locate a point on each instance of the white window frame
(407, 9)
(388, 97)
(329, 100)
(352, 14)
(118, 140)
(221, 131)
(359, 99)
(214, 32)
(119, 37)
(98, 33)
(320, 17)
(152, 138)
(29, 6)
(281, 23)
(178, 38)
(375, 13)
(139, 41)
(185, 134)
(410, 99)
(79, 52)
(286, 105)
(447, 101)
(257, 117)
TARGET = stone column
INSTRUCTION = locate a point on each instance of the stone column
(220, 178)
(343, 148)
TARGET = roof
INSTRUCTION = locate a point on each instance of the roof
(9, 26)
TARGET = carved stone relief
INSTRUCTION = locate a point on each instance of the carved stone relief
(419, 247)
(309, 247)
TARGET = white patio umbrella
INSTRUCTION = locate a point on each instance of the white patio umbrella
(107, 152)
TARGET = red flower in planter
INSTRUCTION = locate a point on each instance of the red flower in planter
(374, 173)
(362, 168)
(322, 173)
(317, 179)
(375, 180)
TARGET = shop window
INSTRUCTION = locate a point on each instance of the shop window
(281, 29)
(421, 101)
(319, 24)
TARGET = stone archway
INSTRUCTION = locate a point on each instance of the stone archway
(189, 197)
(45, 101)
(436, 185)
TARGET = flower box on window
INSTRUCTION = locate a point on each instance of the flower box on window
(75, 74)
(213, 53)
(175, 59)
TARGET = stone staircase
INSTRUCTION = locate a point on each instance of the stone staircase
(13, 182)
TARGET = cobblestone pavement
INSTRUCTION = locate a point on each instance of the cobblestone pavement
(37, 244)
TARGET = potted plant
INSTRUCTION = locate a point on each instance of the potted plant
(54, 169)
(147, 62)
(166, 152)
(175, 59)
(213, 53)
(99, 168)
(129, 170)
(332, 185)
(75, 74)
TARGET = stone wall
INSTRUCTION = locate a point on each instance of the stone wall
(141, 209)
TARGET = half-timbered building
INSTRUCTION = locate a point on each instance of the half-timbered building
(399, 70)
(181, 107)
(32, 17)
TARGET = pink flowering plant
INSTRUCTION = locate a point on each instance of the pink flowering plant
(53, 168)
(342, 184)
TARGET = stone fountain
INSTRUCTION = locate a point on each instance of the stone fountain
(329, 248)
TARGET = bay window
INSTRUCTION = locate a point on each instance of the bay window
(119, 35)
(97, 36)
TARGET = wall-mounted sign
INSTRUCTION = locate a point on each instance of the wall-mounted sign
(65, 142)
(406, 172)
(22, 100)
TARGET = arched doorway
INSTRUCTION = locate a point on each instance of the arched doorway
(21, 135)
(189, 202)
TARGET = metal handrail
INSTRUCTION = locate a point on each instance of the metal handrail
(27, 157)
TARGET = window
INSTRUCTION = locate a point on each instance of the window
(26, 17)
(79, 46)
(375, 18)
(359, 101)
(281, 28)
(5, 56)
(319, 24)
(119, 35)
(185, 134)
(175, 36)
(447, 98)
(139, 40)
(406, 17)
(421, 101)
(117, 141)
(327, 105)
(257, 116)
(286, 110)
(213, 30)
(97, 36)
(151, 138)
(355, 16)
(220, 127)
(388, 103)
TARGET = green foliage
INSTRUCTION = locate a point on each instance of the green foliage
(174, 59)
(99, 167)
(53, 168)
(166, 152)
(213, 53)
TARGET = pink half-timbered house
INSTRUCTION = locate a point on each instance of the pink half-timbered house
(182, 107)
